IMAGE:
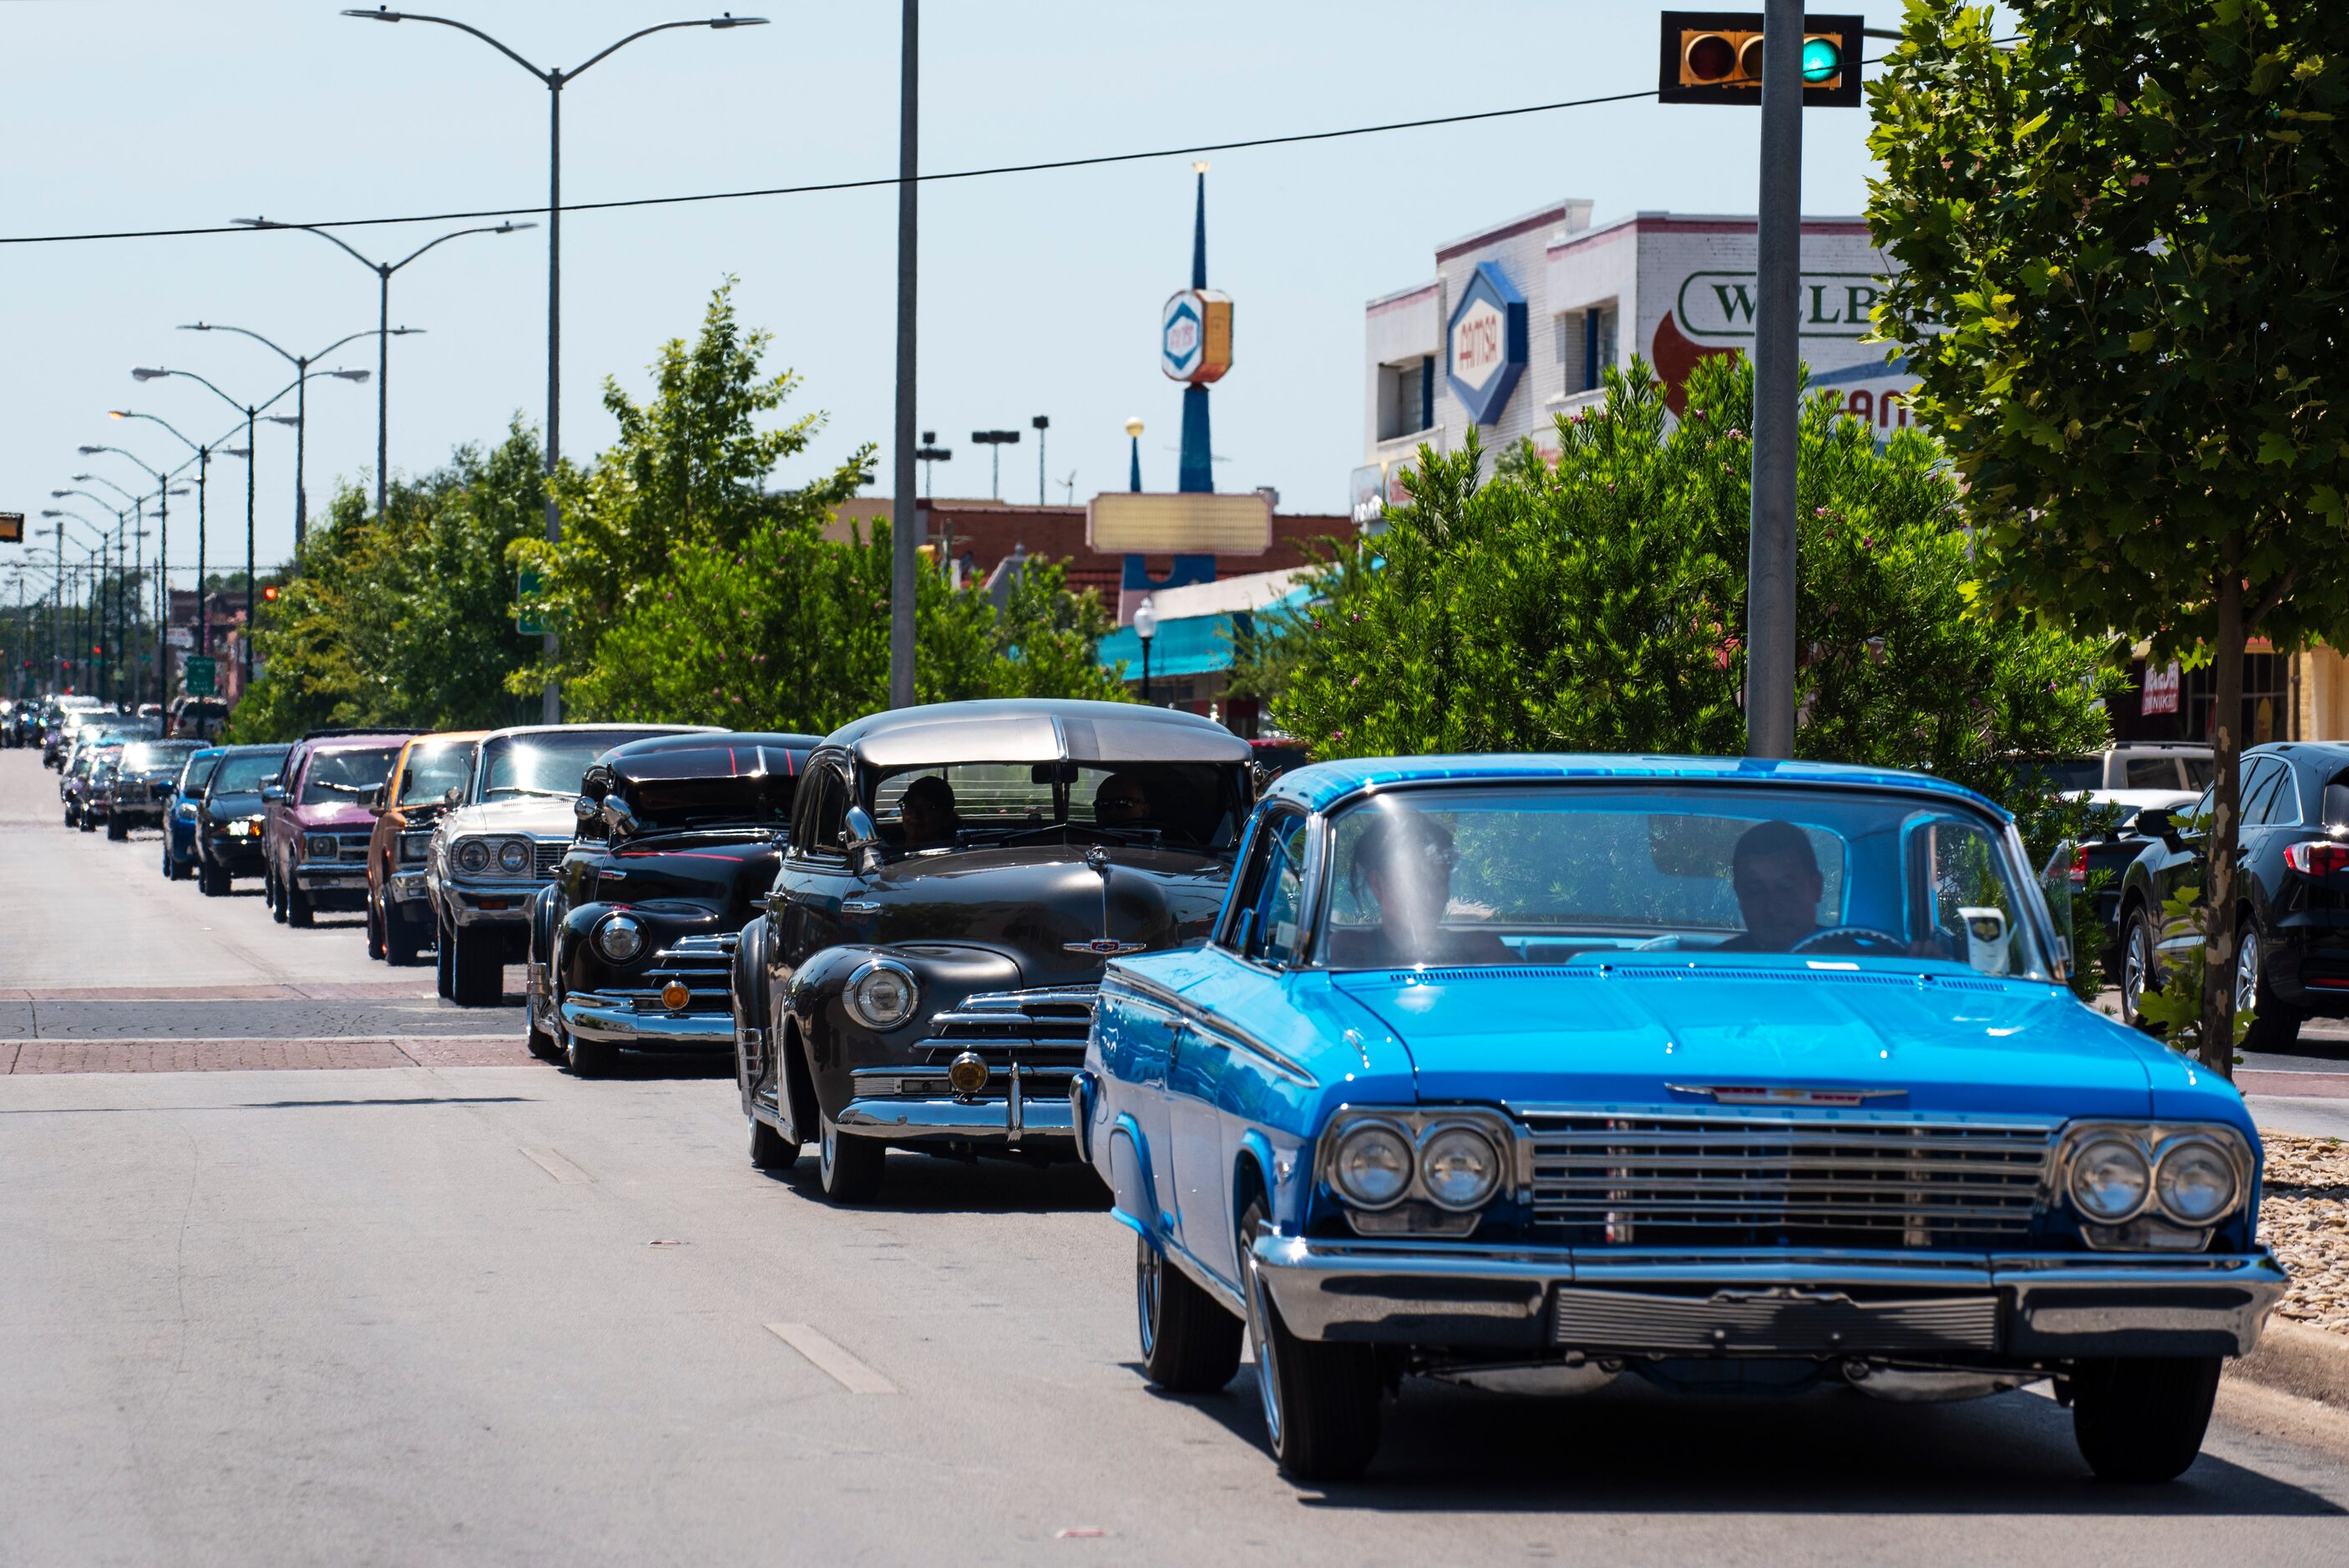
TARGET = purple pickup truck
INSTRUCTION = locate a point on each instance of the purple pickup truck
(314, 844)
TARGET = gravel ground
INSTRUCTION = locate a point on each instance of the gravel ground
(2304, 1216)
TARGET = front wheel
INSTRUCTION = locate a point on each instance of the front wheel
(212, 880)
(2137, 973)
(273, 892)
(1190, 1345)
(444, 953)
(850, 1166)
(299, 912)
(477, 971)
(590, 1059)
(770, 1150)
(375, 929)
(2142, 1418)
(1321, 1400)
(117, 829)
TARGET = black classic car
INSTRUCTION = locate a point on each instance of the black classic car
(632, 945)
(2291, 960)
(228, 818)
(925, 969)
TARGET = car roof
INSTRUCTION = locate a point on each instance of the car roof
(513, 730)
(1035, 729)
(280, 747)
(374, 741)
(1321, 784)
(733, 754)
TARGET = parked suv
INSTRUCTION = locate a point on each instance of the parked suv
(314, 840)
(2292, 960)
(2133, 774)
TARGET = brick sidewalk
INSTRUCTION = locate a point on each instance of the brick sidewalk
(261, 1055)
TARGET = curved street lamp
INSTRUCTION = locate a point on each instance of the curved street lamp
(301, 364)
(165, 490)
(383, 271)
(554, 80)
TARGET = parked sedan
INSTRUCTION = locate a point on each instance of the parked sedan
(179, 854)
(2292, 960)
(83, 782)
(228, 817)
(632, 945)
(136, 791)
(1744, 1078)
(925, 969)
(427, 778)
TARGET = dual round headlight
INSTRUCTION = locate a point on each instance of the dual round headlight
(1458, 1166)
(882, 994)
(620, 938)
(513, 857)
(473, 856)
(2193, 1180)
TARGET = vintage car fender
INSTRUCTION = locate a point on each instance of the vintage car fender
(832, 1041)
(583, 968)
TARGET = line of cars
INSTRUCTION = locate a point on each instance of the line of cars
(1520, 1072)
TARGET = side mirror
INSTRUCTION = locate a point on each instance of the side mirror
(272, 793)
(2156, 823)
(863, 840)
(377, 803)
(584, 808)
(450, 796)
(597, 783)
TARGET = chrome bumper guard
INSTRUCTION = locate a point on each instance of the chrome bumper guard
(331, 875)
(617, 1020)
(461, 899)
(1653, 1302)
(1034, 1110)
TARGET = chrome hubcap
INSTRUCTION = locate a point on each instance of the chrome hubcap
(1268, 1366)
(2247, 971)
(2133, 969)
(1146, 1287)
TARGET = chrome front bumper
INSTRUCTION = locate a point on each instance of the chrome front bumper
(330, 876)
(1035, 1110)
(1696, 1302)
(463, 901)
(615, 1019)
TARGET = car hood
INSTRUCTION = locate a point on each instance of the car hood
(336, 815)
(536, 815)
(690, 875)
(227, 808)
(1641, 1035)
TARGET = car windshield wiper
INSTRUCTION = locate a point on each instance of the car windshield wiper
(347, 789)
(528, 790)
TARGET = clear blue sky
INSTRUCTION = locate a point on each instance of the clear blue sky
(1040, 292)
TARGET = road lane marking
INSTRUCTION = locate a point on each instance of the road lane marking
(830, 1359)
(554, 1165)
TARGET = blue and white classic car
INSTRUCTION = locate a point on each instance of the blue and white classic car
(1528, 1071)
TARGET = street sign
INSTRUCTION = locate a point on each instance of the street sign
(197, 673)
(1715, 56)
(526, 587)
(12, 528)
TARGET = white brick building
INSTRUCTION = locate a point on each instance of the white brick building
(1520, 318)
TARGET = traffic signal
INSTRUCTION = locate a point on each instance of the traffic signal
(269, 593)
(1715, 56)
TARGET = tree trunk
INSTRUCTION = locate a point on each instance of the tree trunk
(2220, 844)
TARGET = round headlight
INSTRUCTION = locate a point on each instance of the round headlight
(1373, 1167)
(319, 848)
(619, 939)
(513, 857)
(473, 856)
(882, 996)
(2195, 1182)
(2109, 1179)
(1459, 1168)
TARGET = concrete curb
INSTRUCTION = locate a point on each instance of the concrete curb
(2312, 1363)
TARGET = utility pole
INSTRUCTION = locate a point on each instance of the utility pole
(1041, 424)
(1770, 569)
(901, 511)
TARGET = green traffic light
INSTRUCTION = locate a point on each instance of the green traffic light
(1822, 60)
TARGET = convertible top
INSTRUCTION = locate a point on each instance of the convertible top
(1035, 729)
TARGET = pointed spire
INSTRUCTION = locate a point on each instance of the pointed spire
(1199, 233)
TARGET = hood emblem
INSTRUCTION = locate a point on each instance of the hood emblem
(1784, 1094)
(1104, 945)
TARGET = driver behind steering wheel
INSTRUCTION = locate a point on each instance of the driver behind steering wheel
(1776, 876)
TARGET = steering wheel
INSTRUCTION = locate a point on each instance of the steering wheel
(1868, 937)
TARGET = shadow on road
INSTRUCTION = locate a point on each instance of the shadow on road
(1631, 1448)
(931, 1184)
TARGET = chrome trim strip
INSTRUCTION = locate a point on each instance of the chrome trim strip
(613, 1019)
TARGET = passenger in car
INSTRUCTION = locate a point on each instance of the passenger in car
(927, 815)
(1402, 866)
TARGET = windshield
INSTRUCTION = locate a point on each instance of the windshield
(345, 775)
(434, 770)
(247, 771)
(1196, 805)
(1550, 875)
(550, 764)
(151, 757)
(2068, 775)
(198, 773)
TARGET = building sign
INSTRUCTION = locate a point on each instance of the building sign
(180, 636)
(1485, 346)
(1720, 305)
(1195, 336)
(1369, 488)
(12, 528)
(2160, 694)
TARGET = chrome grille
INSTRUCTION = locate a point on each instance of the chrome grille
(1700, 1177)
(548, 859)
(1780, 1320)
(414, 844)
(1042, 1030)
(706, 964)
(353, 846)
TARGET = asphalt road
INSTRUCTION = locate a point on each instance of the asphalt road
(493, 1315)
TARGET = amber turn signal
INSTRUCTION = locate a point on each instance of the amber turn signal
(673, 996)
(967, 1073)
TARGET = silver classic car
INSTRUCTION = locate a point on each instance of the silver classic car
(503, 841)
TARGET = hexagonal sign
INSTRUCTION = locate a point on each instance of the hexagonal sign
(1195, 336)
(1486, 343)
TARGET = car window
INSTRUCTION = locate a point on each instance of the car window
(2196, 819)
(242, 774)
(345, 775)
(198, 775)
(548, 763)
(2149, 773)
(1265, 915)
(434, 770)
(2066, 775)
(2200, 771)
(2270, 800)
(1188, 803)
(824, 804)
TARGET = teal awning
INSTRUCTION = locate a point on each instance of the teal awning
(1192, 646)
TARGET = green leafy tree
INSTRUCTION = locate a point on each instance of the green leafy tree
(2122, 287)
(1595, 605)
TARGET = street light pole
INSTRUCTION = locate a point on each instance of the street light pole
(301, 364)
(384, 334)
(1041, 424)
(554, 80)
(162, 560)
(903, 586)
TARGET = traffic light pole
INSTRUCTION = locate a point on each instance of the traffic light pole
(1770, 567)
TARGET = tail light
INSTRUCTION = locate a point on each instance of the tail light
(2317, 857)
(2080, 866)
